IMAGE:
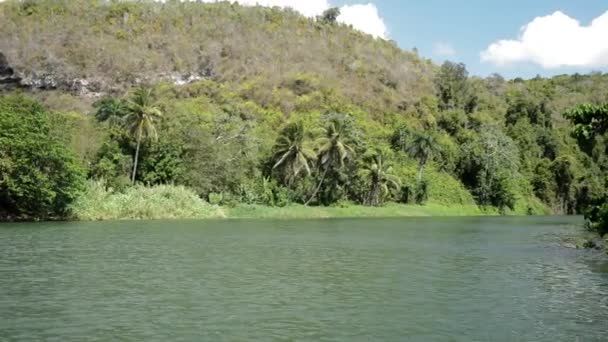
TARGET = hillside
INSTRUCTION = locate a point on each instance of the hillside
(236, 84)
(89, 46)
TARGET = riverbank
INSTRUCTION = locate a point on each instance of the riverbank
(351, 211)
(584, 239)
(294, 211)
(176, 202)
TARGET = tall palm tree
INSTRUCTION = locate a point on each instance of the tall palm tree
(292, 152)
(335, 146)
(141, 114)
(422, 148)
(376, 172)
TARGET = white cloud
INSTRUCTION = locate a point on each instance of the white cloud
(364, 18)
(444, 49)
(554, 41)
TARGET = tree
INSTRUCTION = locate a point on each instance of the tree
(111, 110)
(401, 138)
(112, 165)
(376, 172)
(140, 117)
(330, 16)
(597, 217)
(335, 147)
(39, 176)
(422, 148)
(489, 164)
(543, 181)
(564, 178)
(453, 88)
(292, 153)
(589, 121)
(528, 103)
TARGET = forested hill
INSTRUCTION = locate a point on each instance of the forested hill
(112, 46)
(265, 106)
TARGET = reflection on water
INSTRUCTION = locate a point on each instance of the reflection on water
(466, 279)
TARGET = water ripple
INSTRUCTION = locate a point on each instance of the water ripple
(476, 279)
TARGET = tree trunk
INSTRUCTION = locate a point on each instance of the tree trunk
(374, 196)
(420, 169)
(318, 188)
(136, 157)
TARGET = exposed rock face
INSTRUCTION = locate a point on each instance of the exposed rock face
(12, 79)
(93, 87)
(8, 79)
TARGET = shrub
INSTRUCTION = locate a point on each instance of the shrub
(265, 191)
(39, 176)
(140, 202)
(597, 217)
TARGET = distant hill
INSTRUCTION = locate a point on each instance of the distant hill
(95, 46)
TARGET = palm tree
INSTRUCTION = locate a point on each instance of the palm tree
(292, 152)
(400, 138)
(376, 172)
(141, 114)
(334, 148)
(422, 148)
(110, 109)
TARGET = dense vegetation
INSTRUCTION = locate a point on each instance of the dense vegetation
(271, 108)
(590, 126)
(39, 176)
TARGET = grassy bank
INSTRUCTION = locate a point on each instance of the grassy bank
(176, 202)
(141, 203)
(352, 211)
(99, 203)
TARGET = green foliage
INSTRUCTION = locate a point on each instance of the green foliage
(454, 91)
(441, 187)
(422, 148)
(542, 181)
(563, 173)
(524, 105)
(376, 173)
(139, 202)
(140, 115)
(351, 211)
(110, 109)
(112, 164)
(265, 191)
(259, 124)
(337, 146)
(330, 15)
(39, 176)
(597, 216)
(292, 153)
(421, 193)
(588, 120)
(489, 165)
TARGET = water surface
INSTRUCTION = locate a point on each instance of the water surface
(436, 279)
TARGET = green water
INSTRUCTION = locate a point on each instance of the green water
(437, 279)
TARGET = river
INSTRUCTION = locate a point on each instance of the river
(427, 279)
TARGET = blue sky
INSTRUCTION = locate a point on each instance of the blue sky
(470, 26)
